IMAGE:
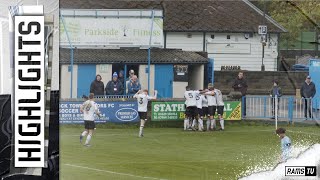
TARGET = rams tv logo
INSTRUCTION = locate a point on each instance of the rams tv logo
(301, 171)
(29, 91)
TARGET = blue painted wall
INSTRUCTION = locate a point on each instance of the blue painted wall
(164, 80)
(86, 74)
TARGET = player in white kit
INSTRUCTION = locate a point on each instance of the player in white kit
(89, 108)
(201, 110)
(205, 109)
(191, 106)
(143, 98)
(212, 107)
(220, 107)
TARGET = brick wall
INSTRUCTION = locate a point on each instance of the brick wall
(261, 82)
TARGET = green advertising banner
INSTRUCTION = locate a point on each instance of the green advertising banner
(171, 111)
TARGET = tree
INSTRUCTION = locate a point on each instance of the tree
(296, 16)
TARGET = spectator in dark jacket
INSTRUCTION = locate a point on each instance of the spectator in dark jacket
(97, 86)
(308, 91)
(240, 85)
(121, 77)
(133, 86)
(114, 87)
(275, 94)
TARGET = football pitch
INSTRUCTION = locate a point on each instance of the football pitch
(173, 154)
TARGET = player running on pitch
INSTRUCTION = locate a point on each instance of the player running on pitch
(89, 108)
(143, 98)
(285, 144)
(220, 107)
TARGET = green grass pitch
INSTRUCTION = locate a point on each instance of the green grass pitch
(170, 153)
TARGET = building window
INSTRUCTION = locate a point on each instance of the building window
(212, 36)
(228, 36)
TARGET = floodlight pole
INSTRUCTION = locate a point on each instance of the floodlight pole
(276, 110)
(149, 50)
(264, 18)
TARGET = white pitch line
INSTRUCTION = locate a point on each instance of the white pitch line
(299, 132)
(154, 162)
(120, 134)
(111, 172)
(152, 133)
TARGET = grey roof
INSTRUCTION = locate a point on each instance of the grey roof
(192, 15)
(132, 56)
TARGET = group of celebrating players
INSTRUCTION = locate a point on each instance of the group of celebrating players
(201, 103)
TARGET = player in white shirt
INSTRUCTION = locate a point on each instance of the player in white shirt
(212, 107)
(143, 98)
(191, 106)
(89, 108)
(220, 107)
(205, 111)
(201, 99)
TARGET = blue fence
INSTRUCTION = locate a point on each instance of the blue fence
(289, 108)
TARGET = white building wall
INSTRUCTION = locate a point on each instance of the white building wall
(243, 52)
(196, 77)
(179, 88)
(65, 82)
(246, 53)
(180, 40)
(143, 77)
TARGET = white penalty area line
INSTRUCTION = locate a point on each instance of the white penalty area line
(111, 172)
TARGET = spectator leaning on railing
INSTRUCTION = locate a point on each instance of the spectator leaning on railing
(308, 91)
(97, 86)
(114, 87)
(131, 74)
(275, 94)
(133, 86)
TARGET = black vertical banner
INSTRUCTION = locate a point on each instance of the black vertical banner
(52, 171)
(5, 134)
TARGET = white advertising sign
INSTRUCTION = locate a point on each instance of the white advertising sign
(122, 32)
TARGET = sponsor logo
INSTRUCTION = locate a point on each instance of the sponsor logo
(301, 171)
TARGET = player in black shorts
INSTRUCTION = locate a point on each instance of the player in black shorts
(191, 106)
(142, 100)
(212, 107)
(89, 108)
(191, 114)
(220, 108)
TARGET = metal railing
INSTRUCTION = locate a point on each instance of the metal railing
(114, 96)
(289, 108)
